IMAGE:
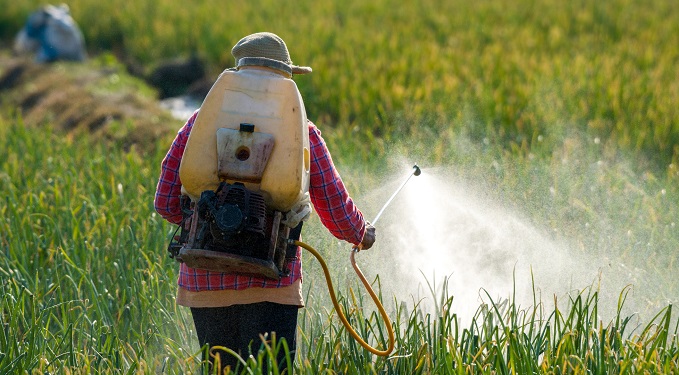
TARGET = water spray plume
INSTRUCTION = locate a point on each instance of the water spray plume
(390, 330)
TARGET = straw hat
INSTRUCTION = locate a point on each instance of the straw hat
(265, 49)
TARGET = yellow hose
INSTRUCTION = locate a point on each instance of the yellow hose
(344, 320)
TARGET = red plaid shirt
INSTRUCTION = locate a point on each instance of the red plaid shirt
(329, 197)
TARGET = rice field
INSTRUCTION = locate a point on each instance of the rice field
(87, 288)
(509, 73)
(563, 114)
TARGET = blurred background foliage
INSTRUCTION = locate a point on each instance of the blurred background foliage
(498, 72)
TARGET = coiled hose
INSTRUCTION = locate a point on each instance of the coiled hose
(374, 297)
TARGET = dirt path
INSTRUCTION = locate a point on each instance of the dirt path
(72, 97)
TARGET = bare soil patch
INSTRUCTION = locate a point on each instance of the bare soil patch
(73, 98)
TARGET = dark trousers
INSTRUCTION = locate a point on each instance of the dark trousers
(239, 327)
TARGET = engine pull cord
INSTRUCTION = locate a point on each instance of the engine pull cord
(344, 320)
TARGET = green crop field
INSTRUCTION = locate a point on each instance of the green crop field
(542, 236)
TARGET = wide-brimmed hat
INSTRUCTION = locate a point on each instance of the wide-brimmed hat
(265, 49)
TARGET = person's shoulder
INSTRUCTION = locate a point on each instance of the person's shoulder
(313, 128)
(188, 125)
(192, 119)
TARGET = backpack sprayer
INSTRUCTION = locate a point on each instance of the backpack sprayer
(416, 172)
(245, 176)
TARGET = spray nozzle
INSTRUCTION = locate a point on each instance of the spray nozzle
(417, 171)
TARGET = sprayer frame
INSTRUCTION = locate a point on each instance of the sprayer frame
(272, 267)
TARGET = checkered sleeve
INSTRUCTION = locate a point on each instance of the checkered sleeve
(329, 196)
(169, 186)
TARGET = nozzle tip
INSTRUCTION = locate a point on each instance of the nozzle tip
(417, 170)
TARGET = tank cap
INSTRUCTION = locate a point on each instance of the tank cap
(244, 127)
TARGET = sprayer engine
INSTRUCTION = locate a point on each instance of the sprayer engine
(232, 230)
(234, 221)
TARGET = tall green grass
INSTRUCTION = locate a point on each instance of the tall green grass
(566, 110)
(84, 285)
(502, 338)
(384, 70)
(87, 288)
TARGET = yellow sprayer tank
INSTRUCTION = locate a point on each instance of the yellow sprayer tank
(219, 150)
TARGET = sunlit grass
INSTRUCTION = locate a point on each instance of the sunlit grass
(87, 287)
(80, 267)
(565, 111)
(386, 70)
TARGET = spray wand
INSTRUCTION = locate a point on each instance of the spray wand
(416, 172)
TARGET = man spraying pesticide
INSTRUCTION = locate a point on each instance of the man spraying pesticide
(239, 180)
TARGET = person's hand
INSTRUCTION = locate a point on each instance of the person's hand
(368, 236)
